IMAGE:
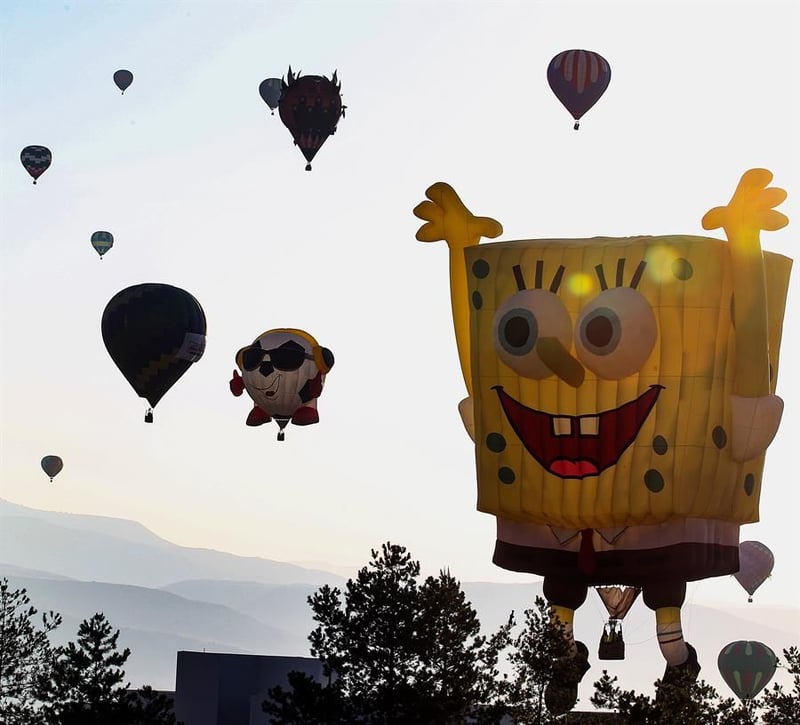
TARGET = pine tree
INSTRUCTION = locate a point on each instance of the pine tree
(26, 657)
(394, 652)
(782, 708)
(88, 678)
(458, 666)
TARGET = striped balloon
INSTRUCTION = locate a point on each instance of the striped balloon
(578, 78)
(747, 667)
(102, 242)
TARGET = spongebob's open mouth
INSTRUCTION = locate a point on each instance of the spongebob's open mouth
(578, 446)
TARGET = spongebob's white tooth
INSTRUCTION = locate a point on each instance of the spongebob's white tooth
(562, 426)
(590, 425)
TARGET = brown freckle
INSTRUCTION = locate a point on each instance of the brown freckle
(506, 475)
(719, 436)
(477, 300)
(660, 445)
(682, 269)
(654, 480)
(749, 484)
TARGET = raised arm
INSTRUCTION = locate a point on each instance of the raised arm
(749, 211)
(446, 218)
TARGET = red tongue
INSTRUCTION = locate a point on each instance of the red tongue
(573, 469)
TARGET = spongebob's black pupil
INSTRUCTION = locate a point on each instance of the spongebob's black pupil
(517, 331)
(599, 331)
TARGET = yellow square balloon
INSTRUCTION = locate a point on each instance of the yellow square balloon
(603, 372)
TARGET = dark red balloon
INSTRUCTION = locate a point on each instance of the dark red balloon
(310, 107)
(578, 78)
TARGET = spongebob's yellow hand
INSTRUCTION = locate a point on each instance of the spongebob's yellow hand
(749, 211)
(447, 218)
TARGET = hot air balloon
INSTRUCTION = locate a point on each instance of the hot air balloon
(620, 421)
(51, 465)
(578, 78)
(270, 90)
(755, 565)
(102, 242)
(123, 78)
(310, 107)
(617, 600)
(153, 332)
(746, 667)
(36, 160)
(283, 371)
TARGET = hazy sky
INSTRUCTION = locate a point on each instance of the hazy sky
(203, 189)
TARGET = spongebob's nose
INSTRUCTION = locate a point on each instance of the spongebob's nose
(266, 368)
(557, 358)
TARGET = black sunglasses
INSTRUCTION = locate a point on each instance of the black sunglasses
(282, 358)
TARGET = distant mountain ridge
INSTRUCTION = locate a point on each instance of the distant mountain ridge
(164, 597)
(96, 548)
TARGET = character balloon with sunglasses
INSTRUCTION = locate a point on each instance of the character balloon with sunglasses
(283, 371)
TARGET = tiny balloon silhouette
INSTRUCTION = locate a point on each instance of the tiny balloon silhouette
(270, 92)
(102, 242)
(123, 78)
(52, 465)
(36, 160)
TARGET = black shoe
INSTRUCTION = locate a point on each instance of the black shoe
(561, 692)
(684, 673)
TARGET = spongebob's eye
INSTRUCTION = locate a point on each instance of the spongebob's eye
(521, 321)
(615, 333)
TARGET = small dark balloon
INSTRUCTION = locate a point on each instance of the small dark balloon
(270, 92)
(123, 79)
(36, 160)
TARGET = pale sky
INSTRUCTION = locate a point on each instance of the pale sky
(203, 189)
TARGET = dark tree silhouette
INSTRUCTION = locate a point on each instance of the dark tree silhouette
(26, 657)
(89, 688)
(394, 652)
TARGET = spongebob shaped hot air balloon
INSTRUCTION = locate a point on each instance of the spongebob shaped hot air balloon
(621, 399)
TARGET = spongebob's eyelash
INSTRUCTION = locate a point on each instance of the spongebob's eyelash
(537, 282)
(637, 275)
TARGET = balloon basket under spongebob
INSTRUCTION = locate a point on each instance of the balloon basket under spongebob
(621, 396)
